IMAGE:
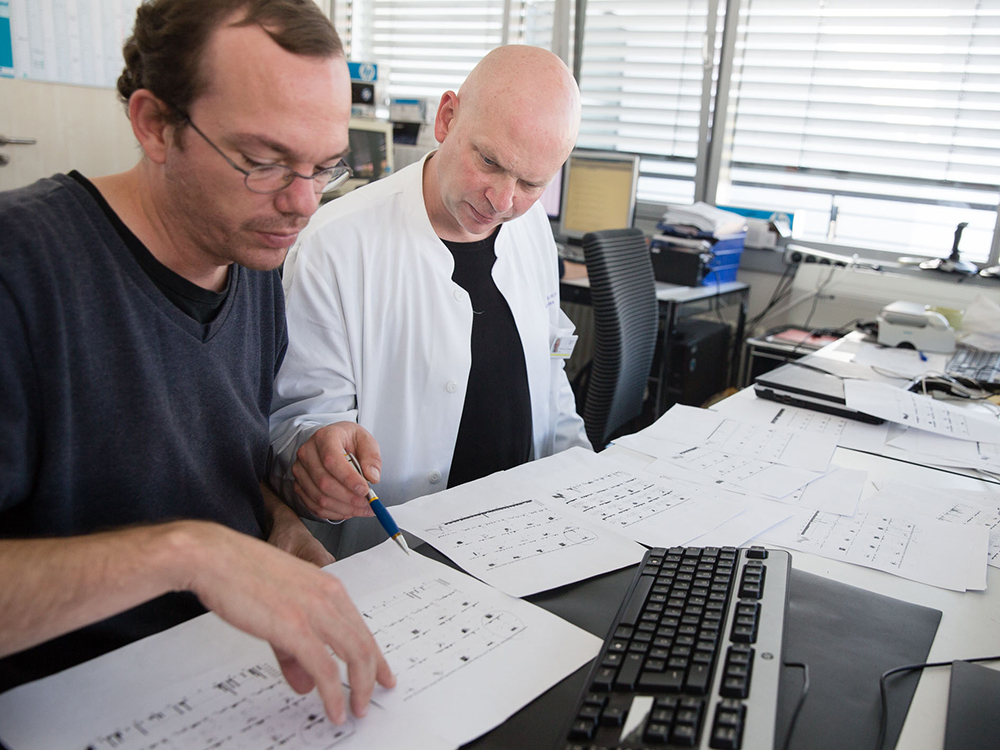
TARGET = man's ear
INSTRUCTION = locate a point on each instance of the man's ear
(446, 114)
(148, 116)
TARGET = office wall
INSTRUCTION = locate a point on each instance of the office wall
(77, 127)
(848, 294)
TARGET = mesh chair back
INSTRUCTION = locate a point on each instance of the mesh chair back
(626, 317)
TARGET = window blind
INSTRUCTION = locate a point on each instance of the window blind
(642, 81)
(427, 47)
(876, 121)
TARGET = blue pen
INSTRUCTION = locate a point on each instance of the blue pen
(380, 512)
(923, 357)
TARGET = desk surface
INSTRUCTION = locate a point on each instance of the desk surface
(970, 623)
(675, 292)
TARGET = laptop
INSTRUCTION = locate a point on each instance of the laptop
(814, 383)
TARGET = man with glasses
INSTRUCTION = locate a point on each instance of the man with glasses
(425, 307)
(141, 325)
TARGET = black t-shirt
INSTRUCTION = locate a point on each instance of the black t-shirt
(495, 431)
(200, 303)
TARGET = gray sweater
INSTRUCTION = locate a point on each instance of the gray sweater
(116, 407)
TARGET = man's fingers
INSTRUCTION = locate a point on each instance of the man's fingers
(297, 677)
(338, 504)
(383, 672)
(367, 452)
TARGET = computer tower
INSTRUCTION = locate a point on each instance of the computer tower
(699, 362)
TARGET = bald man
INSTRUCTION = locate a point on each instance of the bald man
(424, 308)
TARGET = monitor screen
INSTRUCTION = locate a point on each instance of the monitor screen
(552, 197)
(598, 192)
(370, 154)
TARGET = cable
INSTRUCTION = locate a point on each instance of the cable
(884, 705)
(819, 291)
(802, 699)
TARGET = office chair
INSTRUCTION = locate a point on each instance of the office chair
(626, 322)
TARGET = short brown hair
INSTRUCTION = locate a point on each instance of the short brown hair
(164, 52)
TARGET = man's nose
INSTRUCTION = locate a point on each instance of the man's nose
(299, 198)
(501, 195)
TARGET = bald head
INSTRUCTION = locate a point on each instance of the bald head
(503, 138)
(529, 89)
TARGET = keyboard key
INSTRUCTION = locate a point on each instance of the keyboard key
(669, 681)
(613, 660)
(658, 733)
(613, 716)
(582, 729)
(635, 602)
(629, 672)
(603, 680)
(684, 735)
(698, 678)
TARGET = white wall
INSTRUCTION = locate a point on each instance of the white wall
(851, 293)
(77, 127)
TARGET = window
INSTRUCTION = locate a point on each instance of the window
(876, 121)
(426, 47)
(644, 88)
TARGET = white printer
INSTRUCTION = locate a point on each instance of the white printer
(912, 324)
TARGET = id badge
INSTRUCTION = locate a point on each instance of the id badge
(562, 345)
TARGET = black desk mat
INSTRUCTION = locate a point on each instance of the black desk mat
(847, 636)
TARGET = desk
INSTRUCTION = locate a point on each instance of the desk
(677, 303)
(969, 627)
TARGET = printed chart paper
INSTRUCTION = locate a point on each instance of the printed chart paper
(917, 410)
(765, 442)
(466, 657)
(507, 535)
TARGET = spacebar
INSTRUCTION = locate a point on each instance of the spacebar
(637, 600)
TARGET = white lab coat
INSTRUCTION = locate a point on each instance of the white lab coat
(380, 334)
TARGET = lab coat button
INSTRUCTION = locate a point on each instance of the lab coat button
(451, 386)
(459, 294)
(435, 477)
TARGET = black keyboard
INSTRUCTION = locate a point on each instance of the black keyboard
(693, 658)
(978, 365)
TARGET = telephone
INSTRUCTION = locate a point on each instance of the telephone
(915, 326)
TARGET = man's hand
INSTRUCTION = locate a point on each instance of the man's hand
(325, 481)
(288, 533)
(299, 610)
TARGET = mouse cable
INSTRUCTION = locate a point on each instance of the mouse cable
(884, 702)
(802, 699)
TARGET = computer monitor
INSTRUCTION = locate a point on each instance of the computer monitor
(551, 199)
(598, 192)
(370, 154)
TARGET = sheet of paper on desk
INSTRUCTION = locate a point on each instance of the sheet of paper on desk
(850, 433)
(710, 429)
(837, 492)
(761, 514)
(470, 657)
(890, 539)
(639, 505)
(507, 535)
(201, 684)
(967, 507)
(908, 363)
(917, 410)
(736, 473)
(940, 450)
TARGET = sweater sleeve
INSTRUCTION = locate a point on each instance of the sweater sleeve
(18, 401)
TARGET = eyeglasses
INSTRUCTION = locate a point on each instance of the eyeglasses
(273, 178)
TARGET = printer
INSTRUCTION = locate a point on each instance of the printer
(916, 326)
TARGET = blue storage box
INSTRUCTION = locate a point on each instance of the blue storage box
(725, 253)
(726, 262)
